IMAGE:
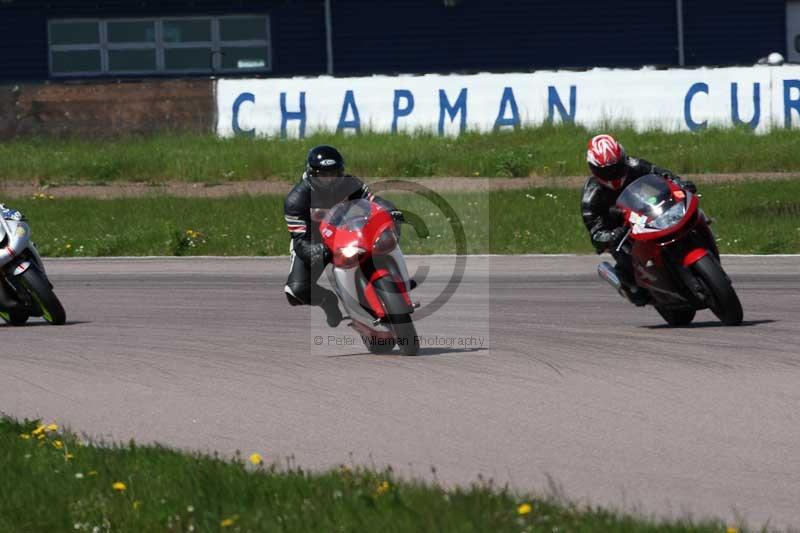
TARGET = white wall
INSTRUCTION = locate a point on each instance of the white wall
(677, 99)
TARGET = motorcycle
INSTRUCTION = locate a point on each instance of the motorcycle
(23, 275)
(674, 253)
(370, 276)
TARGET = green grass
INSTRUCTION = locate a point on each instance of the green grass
(543, 151)
(750, 218)
(53, 482)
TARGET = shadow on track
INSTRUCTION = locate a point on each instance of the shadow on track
(43, 323)
(711, 324)
(423, 352)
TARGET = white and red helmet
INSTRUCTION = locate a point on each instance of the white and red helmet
(607, 161)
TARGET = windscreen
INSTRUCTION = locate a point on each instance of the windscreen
(649, 195)
(352, 215)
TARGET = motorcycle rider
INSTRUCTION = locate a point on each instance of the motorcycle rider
(323, 185)
(613, 170)
(6, 301)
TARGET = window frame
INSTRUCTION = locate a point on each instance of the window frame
(216, 46)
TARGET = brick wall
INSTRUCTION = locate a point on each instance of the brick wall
(106, 109)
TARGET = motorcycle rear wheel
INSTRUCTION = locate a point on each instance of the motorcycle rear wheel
(676, 317)
(15, 317)
(42, 294)
(724, 300)
(378, 345)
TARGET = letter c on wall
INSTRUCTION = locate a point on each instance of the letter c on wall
(242, 98)
(698, 87)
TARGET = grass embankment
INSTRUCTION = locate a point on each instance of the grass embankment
(536, 151)
(52, 482)
(750, 218)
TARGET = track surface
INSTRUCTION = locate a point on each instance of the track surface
(570, 382)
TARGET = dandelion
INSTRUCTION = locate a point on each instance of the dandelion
(228, 522)
(256, 459)
(731, 529)
(69, 457)
(136, 504)
(57, 444)
(92, 473)
(524, 509)
(383, 488)
(38, 431)
(119, 486)
(24, 436)
(52, 427)
(68, 246)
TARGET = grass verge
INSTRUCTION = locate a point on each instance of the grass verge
(750, 218)
(54, 482)
(541, 151)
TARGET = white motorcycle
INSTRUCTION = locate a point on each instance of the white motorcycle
(23, 276)
(370, 275)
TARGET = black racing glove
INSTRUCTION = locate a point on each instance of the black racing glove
(690, 186)
(617, 235)
(319, 255)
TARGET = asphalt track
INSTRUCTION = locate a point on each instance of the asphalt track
(570, 383)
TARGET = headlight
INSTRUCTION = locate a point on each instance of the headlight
(385, 242)
(670, 217)
(348, 256)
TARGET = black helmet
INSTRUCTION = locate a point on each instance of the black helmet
(323, 165)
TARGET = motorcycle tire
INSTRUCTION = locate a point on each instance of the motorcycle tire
(405, 334)
(43, 296)
(676, 317)
(15, 317)
(378, 345)
(724, 303)
(401, 323)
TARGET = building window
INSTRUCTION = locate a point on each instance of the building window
(92, 47)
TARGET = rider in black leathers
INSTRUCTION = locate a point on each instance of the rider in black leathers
(323, 185)
(612, 171)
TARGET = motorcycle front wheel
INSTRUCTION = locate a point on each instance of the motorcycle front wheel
(676, 317)
(43, 296)
(725, 302)
(405, 334)
(15, 317)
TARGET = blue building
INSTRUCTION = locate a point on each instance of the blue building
(66, 39)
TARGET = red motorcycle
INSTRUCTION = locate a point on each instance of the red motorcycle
(673, 252)
(370, 276)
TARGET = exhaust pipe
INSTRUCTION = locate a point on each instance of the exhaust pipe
(608, 273)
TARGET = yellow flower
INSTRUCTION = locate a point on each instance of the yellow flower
(24, 436)
(38, 431)
(383, 488)
(92, 473)
(136, 504)
(731, 529)
(52, 427)
(57, 444)
(118, 485)
(256, 459)
(229, 521)
(68, 456)
(524, 509)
